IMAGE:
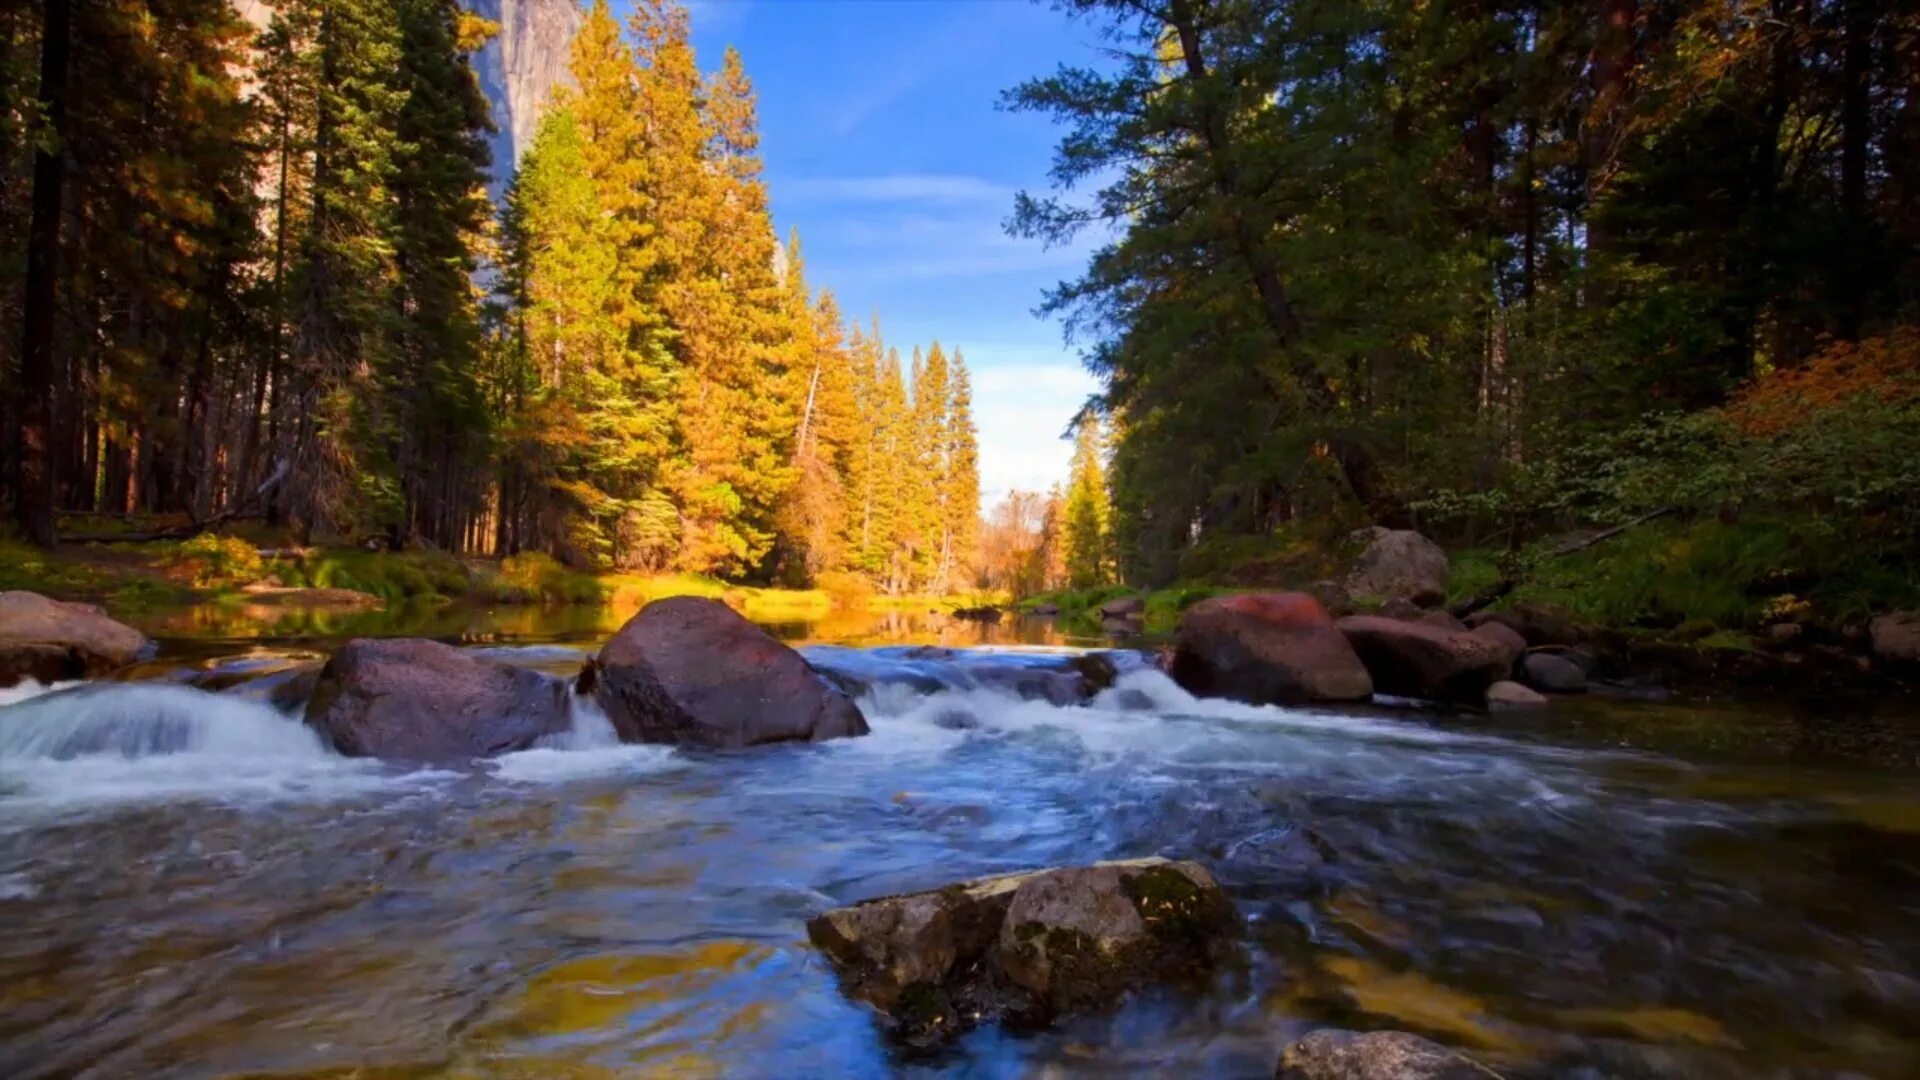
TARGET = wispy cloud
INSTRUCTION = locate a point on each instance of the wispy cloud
(900, 188)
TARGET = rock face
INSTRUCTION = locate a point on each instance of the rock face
(1029, 946)
(417, 700)
(1378, 1055)
(692, 671)
(1553, 673)
(1399, 564)
(518, 69)
(1896, 639)
(1269, 648)
(1421, 661)
(50, 640)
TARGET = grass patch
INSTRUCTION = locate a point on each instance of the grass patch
(1711, 574)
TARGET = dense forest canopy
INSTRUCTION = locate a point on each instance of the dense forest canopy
(1494, 268)
(260, 276)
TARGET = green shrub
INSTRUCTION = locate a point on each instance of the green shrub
(208, 560)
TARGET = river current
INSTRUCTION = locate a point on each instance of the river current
(192, 885)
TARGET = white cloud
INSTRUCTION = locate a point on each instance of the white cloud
(1024, 396)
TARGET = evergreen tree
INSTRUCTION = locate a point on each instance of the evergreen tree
(962, 495)
(1085, 526)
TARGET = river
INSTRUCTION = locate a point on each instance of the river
(191, 885)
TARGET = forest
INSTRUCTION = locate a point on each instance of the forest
(1504, 272)
(259, 276)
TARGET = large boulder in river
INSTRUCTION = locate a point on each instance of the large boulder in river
(693, 671)
(417, 700)
(1398, 564)
(1267, 648)
(1420, 661)
(1375, 1055)
(1896, 639)
(50, 640)
(1027, 946)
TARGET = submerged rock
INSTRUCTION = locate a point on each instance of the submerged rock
(1420, 661)
(1398, 564)
(1027, 947)
(417, 700)
(1376, 1055)
(49, 640)
(1507, 695)
(1269, 648)
(693, 671)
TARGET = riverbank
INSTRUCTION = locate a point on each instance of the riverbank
(1702, 608)
(265, 583)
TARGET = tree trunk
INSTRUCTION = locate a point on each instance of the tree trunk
(34, 482)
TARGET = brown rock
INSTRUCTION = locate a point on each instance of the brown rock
(1029, 946)
(1896, 639)
(1540, 624)
(1267, 648)
(1377, 1055)
(693, 671)
(41, 636)
(1123, 607)
(1508, 695)
(1504, 636)
(417, 700)
(1420, 661)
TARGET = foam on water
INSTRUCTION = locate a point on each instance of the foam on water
(589, 747)
(118, 743)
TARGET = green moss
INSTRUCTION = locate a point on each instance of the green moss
(924, 1011)
(1172, 905)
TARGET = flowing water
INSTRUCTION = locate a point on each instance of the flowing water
(192, 885)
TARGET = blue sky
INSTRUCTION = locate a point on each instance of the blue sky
(885, 148)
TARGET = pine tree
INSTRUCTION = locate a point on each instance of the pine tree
(928, 538)
(1085, 530)
(962, 497)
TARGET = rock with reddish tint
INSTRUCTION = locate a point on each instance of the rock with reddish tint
(51, 640)
(1267, 648)
(693, 671)
(1504, 636)
(413, 700)
(1398, 564)
(1027, 947)
(1123, 607)
(1375, 1055)
(1420, 661)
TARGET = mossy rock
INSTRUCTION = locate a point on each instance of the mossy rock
(1027, 947)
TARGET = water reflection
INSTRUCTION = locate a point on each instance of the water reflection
(577, 623)
(1610, 889)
